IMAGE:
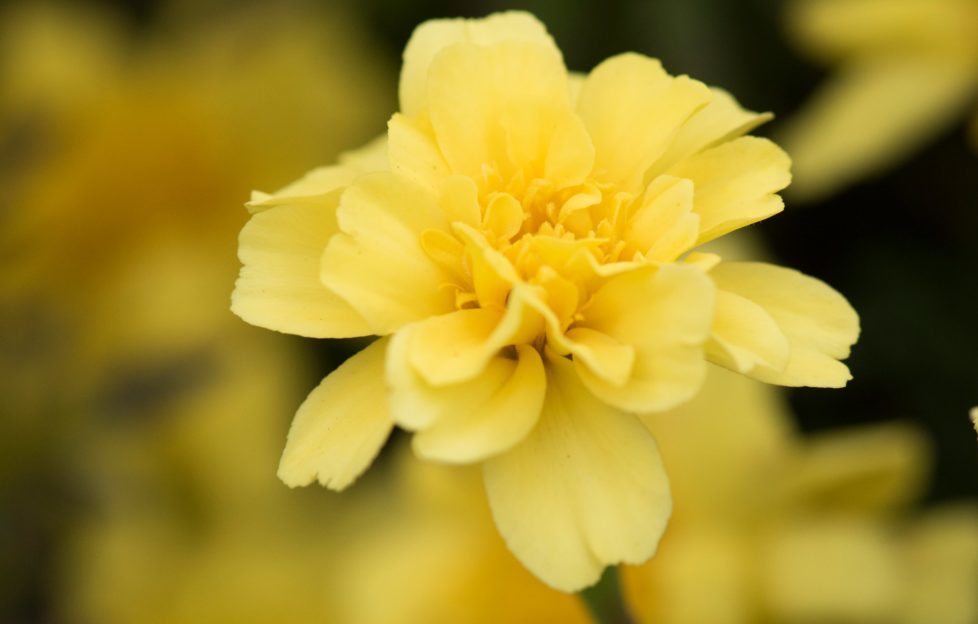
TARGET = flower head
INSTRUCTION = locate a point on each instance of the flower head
(526, 248)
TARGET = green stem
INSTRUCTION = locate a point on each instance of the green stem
(604, 599)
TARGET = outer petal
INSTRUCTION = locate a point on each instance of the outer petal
(722, 120)
(279, 286)
(864, 471)
(871, 115)
(665, 314)
(377, 262)
(487, 415)
(842, 569)
(745, 336)
(324, 180)
(633, 109)
(341, 426)
(414, 153)
(736, 184)
(497, 106)
(457, 346)
(819, 323)
(585, 490)
(433, 36)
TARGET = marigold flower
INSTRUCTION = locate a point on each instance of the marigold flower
(831, 537)
(904, 71)
(525, 247)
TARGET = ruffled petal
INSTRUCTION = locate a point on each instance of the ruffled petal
(341, 426)
(633, 110)
(377, 262)
(586, 489)
(279, 287)
(665, 314)
(819, 323)
(484, 416)
(413, 151)
(872, 114)
(433, 36)
(497, 106)
(722, 120)
(736, 184)
(745, 336)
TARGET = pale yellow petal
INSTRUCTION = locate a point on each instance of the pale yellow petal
(820, 324)
(665, 314)
(871, 115)
(377, 262)
(941, 551)
(722, 120)
(745, 336)
(488, 414)
(433, 36)
(836, 29)
(457, 346)
(310, 188)
(664, 225)
(672, 588)
(633, 110)
(341, 426)
(874, 469)
(736, 184)
(497, 106)
(586, 489)
(604, 356)
(278, 287)
(413, 151)
(843, 569)
(735, 433)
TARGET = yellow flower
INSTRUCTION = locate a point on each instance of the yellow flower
(906, 69)
(778, 528)
(523, 241)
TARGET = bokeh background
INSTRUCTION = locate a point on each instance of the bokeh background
(142, 422)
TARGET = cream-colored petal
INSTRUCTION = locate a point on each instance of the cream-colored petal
(842, 569)
(834, 30)
(310, 188)
(586, 489)
(745, 336)
(497, 106)
(633, 110)
(278, 287)
(433, 36)
(457, 346)
(870, 470)
(735, 433)
(871, 115)
(341, 426)
(413, 151)
(663, 226)
(736, 184)
(698, 576)
(665, 314)
(488, 414)
(820, 324)
(377, 262)
(722, 120)
(941, 553)
(604, 356)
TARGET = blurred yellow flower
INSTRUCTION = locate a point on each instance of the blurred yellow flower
(905, 70)
(828, 538)
(522, 241)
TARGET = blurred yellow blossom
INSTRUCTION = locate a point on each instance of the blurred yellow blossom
(123, 163)
(522, 241)
(778, 528)
(904, 70)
